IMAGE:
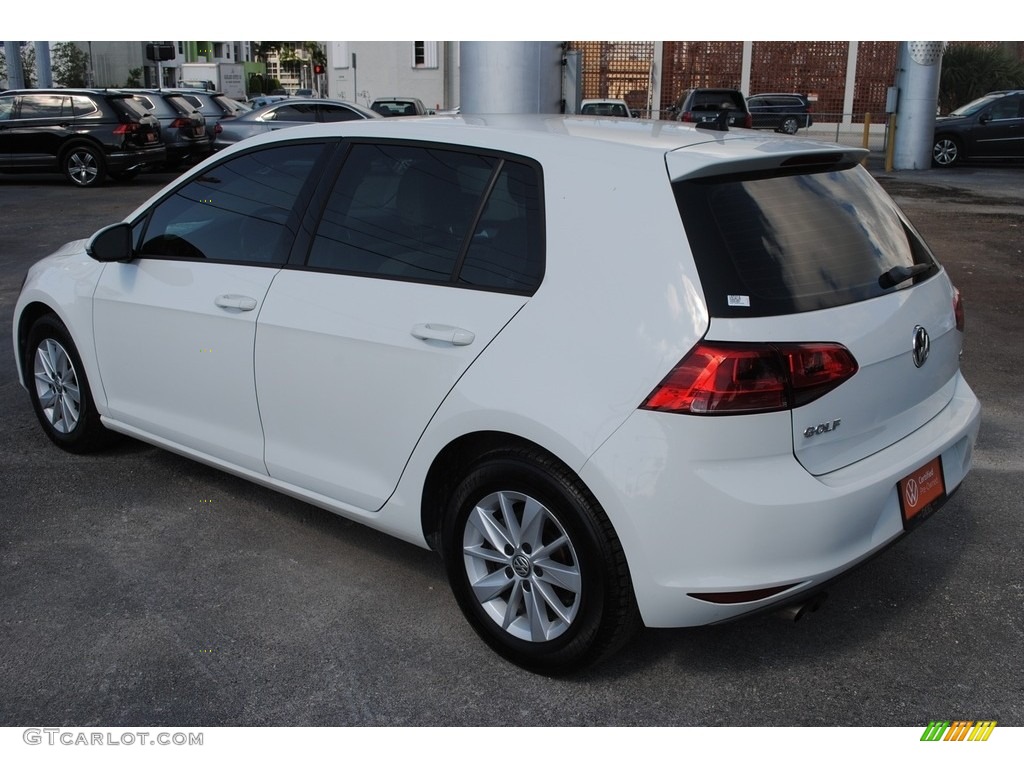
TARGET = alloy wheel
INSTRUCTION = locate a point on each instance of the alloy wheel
(57, 386)
(521, 566)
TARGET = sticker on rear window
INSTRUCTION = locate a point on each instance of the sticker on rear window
(738, 301)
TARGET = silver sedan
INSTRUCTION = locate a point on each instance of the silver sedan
(287, 114)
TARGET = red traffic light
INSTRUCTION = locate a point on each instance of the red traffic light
(318, 69)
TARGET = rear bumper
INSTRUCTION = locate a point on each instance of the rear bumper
(136, 158)
(712, 505)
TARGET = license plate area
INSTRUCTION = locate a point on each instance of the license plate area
(921, 492)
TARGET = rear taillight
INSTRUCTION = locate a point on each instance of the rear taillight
(719, 379)
(748, 120)
(125, 129)
(217, 129)
(958, 309)
(687, 117)
(181, 122)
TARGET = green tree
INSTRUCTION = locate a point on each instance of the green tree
(70, 65)
(134, 78)
(970, 70)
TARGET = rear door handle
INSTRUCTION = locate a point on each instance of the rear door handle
(458, 337)
(235, 301)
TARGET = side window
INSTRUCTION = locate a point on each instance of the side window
(1007, 108)
(300, 113)
(83, 105)
(240, 210)
(400, 211)
(43, 105)
(6, 107)
(434, 215)
(507, 247)
(334, 113)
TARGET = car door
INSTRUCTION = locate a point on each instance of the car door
(175, 327)
(42, 124)
(419, 260)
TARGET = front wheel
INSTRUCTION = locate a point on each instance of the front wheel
(60, 391)
(790, 125)
(946, 152)
(535, 564)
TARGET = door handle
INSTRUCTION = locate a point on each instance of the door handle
(235, 301)
(457, 337)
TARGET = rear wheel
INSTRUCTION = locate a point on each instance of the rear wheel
(789, 125)
(84, 166)
(946, 152)
(535, 564)
(60, 391)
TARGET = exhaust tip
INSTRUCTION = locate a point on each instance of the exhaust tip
(796, 611)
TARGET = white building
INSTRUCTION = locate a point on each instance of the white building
(364, 71)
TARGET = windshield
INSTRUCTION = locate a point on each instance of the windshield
(975, 106)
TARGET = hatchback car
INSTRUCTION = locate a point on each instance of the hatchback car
(85, 134)
(182, 126)
(782, 112)
(722, 106)
(990, 127)
(289, 113)
(592, 436)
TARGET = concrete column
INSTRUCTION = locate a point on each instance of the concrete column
(15, 77)
(748, 58)
(510, 77)
(44, 76)
(920, 63)
(657, 69)
(850, 87)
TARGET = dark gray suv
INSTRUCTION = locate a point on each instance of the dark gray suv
(86, 134)
(782, 112)
(723, 107)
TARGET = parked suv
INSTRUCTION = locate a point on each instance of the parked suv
(706, 105)
(989, 127)
(182, 126)
(782, 112)
(86, 134)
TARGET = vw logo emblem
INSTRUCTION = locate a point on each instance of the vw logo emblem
(521, 565)
(922, 345)
(912, 493)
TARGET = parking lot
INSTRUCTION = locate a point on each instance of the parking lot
(140, 588)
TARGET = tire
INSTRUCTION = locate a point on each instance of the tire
(60, 390)
(553, 595)
(946, 152)
(84, 166)
(789, 125)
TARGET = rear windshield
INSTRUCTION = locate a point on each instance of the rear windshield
(794, 243)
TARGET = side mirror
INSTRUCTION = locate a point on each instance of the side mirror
(986, 117)
(113, 243)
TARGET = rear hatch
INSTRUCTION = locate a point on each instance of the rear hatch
(806, 249)
(139, 129)
(190, 122)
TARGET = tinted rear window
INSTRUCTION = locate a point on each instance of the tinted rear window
(795, 243)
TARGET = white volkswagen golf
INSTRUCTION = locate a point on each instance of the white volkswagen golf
(616, 372)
